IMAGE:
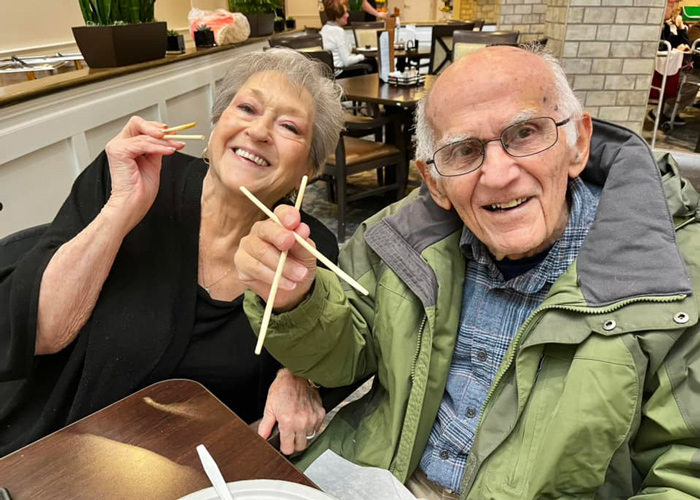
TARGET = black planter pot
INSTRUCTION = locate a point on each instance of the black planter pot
(112, 46)
(291, 24)
(261, 24)
(279, 26)
(204, 39)
(176, 44)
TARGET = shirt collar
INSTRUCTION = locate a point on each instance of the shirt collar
(564, 251)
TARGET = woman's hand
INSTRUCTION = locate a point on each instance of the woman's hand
(679, 22)
(297, 407)
(259, 252)
(135, 157)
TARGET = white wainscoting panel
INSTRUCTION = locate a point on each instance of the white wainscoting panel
(33, 187)
(47, 141)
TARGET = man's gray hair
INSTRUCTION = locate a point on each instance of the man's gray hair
(568, 104)
(303, 72)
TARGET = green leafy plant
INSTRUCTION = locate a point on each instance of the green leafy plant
(254, 6)
(203, 28)
(110, 12)
(173, 33)
(354, 5)
(291, 18)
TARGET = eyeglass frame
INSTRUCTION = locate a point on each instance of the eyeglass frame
(499, 139)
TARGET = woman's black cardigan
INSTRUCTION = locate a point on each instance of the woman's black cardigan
(142, 321)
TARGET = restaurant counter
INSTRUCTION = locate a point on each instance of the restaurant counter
(53, 127)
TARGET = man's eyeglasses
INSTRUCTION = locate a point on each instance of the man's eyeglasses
(526, 138)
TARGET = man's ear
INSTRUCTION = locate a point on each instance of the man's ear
(434, 185)
(582, 148)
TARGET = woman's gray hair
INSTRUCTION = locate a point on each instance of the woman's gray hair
(302, 72)
(568, 104)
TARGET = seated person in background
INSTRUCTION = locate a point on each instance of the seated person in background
(532, 333)
(675, 32)
(346, 63)
(134, 281)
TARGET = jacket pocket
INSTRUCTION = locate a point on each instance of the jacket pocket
(578, 413)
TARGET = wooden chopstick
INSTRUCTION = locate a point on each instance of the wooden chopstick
(179, 127)
(341, 274)
(276, 280)
(185, 137)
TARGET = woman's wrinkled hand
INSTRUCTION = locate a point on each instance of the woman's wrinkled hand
(296, 407)
(135, 158)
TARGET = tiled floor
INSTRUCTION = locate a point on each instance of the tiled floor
(683, 138)
(316, 204)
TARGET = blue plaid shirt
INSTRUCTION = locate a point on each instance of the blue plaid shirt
(492, 312)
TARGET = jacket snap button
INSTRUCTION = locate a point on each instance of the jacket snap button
(609, 325)
(681, 318)
(471, 413)
(482, 355)
(444, 454)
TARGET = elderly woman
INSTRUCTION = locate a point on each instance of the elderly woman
(134, 281)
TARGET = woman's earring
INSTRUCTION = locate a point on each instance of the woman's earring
(205, 157)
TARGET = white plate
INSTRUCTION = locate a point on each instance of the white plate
(365, 49)
(263, 489)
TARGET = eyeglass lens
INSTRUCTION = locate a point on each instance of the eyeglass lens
(522, 139)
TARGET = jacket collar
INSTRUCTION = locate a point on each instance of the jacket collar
(630, 250)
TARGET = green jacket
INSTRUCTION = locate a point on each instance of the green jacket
(598, 395)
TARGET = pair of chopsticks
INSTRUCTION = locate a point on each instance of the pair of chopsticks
(280, 265)
(170, 135)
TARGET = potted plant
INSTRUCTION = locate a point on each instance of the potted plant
(260, 14)
(279, 24)
(176, 42)
(204, 36)
(291, 23)
(356, 14)
(119, 33)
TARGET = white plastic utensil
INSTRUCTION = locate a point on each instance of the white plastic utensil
(213, 473)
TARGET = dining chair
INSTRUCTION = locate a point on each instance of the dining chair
(478, 24)
(466, 42)
(354, 155)
(441, 45)
(366, 33)
(297, 41)
(14, 246)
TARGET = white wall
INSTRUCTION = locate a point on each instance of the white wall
(41, 26)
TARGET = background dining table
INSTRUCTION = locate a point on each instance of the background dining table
(143, 447)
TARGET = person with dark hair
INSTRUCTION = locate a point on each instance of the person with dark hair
(134, 281)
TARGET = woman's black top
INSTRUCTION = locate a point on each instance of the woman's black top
(150, 322)
(220, 356)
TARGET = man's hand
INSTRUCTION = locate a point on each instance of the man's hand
(259, 252)
(297, 407)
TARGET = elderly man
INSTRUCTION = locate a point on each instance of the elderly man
(532, 324)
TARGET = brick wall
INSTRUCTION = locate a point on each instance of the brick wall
(607, 48)
(525, 16)
(488, 10)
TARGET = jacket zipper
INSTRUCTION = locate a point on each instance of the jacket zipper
(518, 336)
(392, 467)
(417, 353)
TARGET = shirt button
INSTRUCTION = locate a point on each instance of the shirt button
(444, 454)
(471, 413)
(482, 355)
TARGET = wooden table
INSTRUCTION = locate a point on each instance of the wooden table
(143, 447)
(368, 88)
